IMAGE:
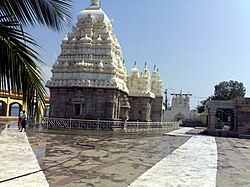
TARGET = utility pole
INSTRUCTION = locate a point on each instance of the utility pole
(166, 96)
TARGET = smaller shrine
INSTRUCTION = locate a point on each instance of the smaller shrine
(145, 95)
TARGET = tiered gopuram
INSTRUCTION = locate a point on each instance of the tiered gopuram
(89, 79)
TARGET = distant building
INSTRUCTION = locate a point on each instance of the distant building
(180, 109)
(89, 79)
(237, 113)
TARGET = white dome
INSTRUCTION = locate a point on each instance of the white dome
(93, 12)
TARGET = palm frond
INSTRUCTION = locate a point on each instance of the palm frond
(53, 14)
(19, 71)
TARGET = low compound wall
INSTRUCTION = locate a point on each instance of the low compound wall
(8, 119)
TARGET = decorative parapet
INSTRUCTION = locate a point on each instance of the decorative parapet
(82, 83)
(141, 94)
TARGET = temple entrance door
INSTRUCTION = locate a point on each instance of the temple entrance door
(79, 110)
(225, 119)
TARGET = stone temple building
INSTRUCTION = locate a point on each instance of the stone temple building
(89, 79)
(145, 95)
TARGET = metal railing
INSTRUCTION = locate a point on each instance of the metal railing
(127, 126)
(150, 126)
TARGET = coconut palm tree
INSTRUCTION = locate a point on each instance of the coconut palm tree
(19, 69)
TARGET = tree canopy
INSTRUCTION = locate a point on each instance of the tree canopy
(226, 90)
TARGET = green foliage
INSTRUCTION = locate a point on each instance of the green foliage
(201, 107)
(19, 72)
(49, 13)
(228, 90)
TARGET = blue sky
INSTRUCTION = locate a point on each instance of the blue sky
(195, 43)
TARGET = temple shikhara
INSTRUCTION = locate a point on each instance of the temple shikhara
(90, 81)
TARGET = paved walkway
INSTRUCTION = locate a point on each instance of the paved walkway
(192, 164)
(17, 158)
(197, 162)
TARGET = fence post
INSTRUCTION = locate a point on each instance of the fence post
(98, 124)
(125, 125)
(70, 123)
(47, 123)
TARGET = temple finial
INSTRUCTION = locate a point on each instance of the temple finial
(95, 2)
(135, 64)
(154, 67)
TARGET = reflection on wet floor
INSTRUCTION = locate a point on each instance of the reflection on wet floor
(116, 160)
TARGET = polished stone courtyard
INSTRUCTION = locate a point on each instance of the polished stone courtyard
(111, 159)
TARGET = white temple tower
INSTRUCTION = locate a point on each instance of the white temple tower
(89, 77)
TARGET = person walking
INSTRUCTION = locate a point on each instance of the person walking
(24, 118)
(20, 121)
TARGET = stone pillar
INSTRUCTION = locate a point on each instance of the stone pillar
(212, 112)
(81, 110)
(208, 120)
(235, 120)
(8, 107)
(124, 108)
